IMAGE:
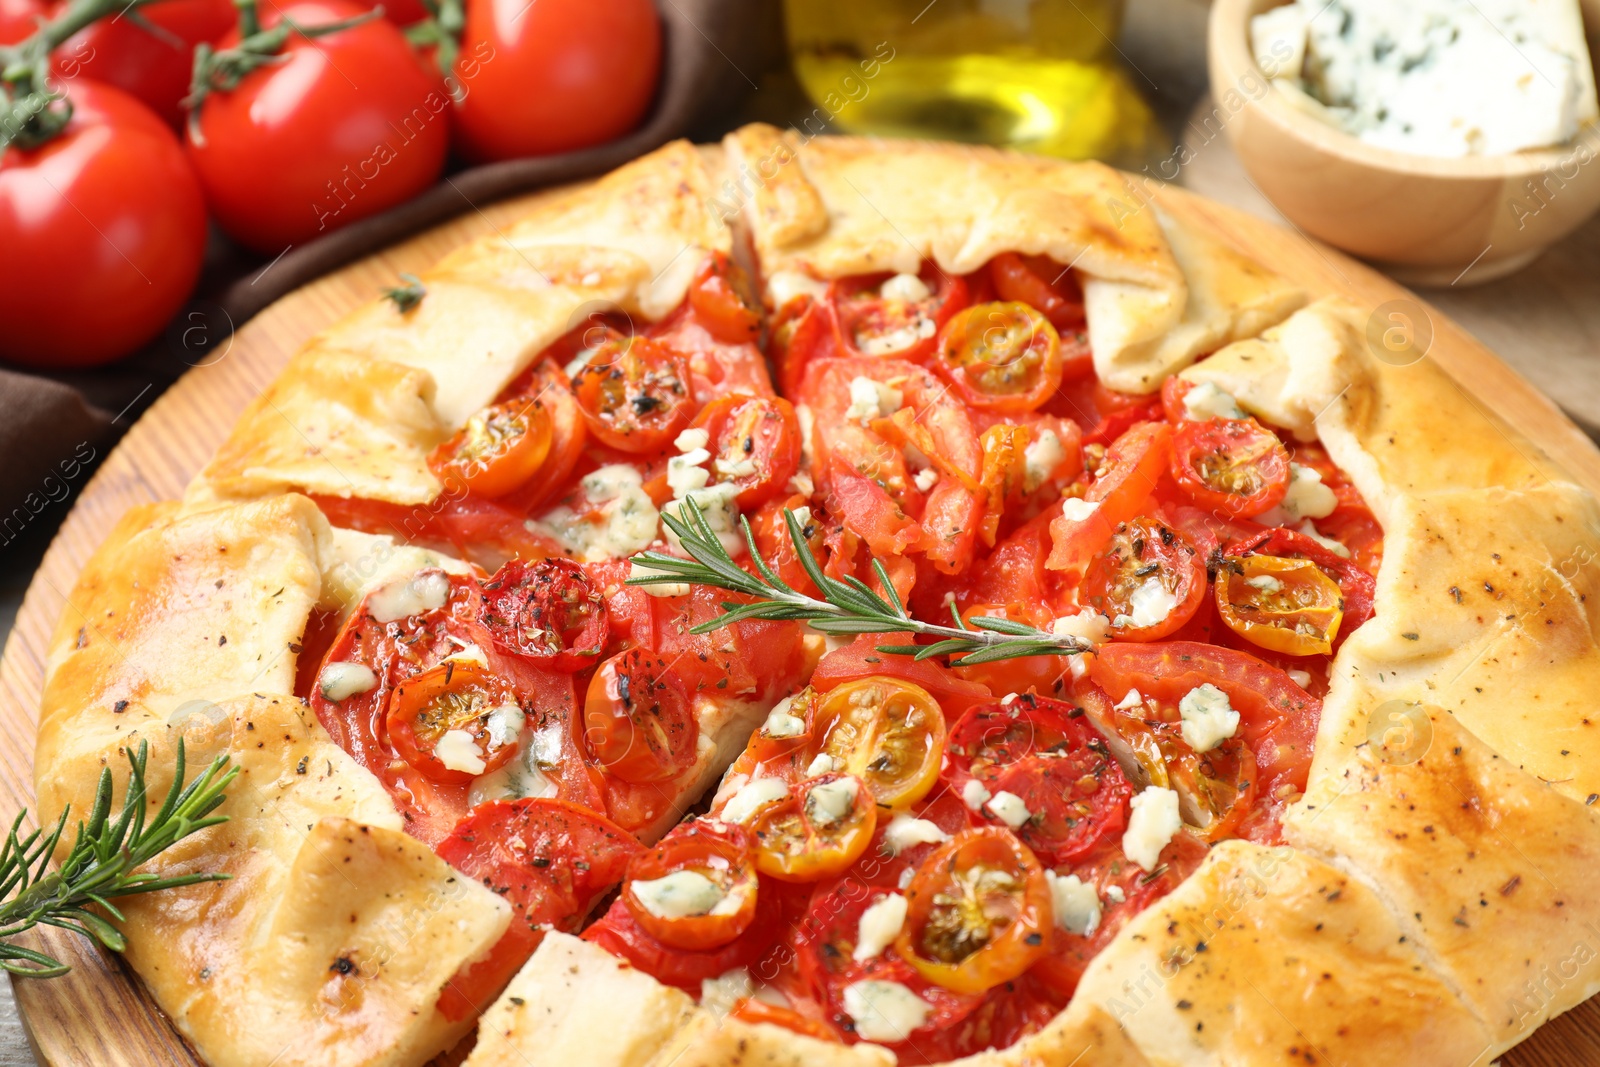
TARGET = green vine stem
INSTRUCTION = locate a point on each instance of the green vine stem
(441, 30)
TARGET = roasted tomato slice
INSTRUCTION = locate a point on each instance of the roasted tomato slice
(1067, 795)
(818, 830)
(549, 611)
(551, 861)
(978, 913)
(1133, 465)
(1002, 357)
(454, 722)
(751, 1010)
(754, 444)
(634, 392)
(638, 723)
(1282, 605)
(1236, 466)
(1041, 283)
(888, 732)
(499, 448)
(898, 316)
(1149, 581)
(697, 888)
(722, 301)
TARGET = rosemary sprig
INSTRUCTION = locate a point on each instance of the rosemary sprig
(103, 862)
(849, 605)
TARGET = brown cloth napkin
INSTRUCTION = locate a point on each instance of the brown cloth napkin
(54, 427)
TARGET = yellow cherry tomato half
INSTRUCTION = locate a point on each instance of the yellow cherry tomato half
(1283, 605)
(1002, 357)
(886, 731)
(978, 912)
(820, 829)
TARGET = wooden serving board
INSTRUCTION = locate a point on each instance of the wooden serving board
(99, 1015)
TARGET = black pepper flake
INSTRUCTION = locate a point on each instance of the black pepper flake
(1184, 1005)
(300, 768)
(119, 707)
(540, 861)
(344, 965)
(1034, 939)
(518, 1001)
(222, 640)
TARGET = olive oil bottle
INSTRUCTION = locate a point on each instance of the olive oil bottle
(1032, 74)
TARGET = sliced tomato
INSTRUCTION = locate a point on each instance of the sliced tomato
(1041, 283)
(498, 450)
(634, 392)
(751, 1010)
(861, 659)
(754, 444)
(1132, 468)
(1235, 466)
(722, 300)
(777, 548)
(547, 383)
(1045, 753)
(549, 611)
(1148, 581)
(454, 722)
(1003, 357)
(551, 861)
(818, 830)
(887, 731)
(1355, 582)
(638, 723)
(695, 854)
(1283, 605)
(1278, 719)
(756, 659)
(978, 912)
(875, 325)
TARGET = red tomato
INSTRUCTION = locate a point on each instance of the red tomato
(553, 76)
(752, 660)
(346, 126)
(1357, 585)
(449, 698)
(1039, 281)
(549, 612)
(634, 393)
(754, 443)
(1045, 752)
(1132, 468)
(874, 326)
(721, 298)
(1277, 719)
(1145, 558)
(718, 852)
(111, 214)
(1235, 466)
(637, 720)
(1001, 357)
(155, 66)
(776, 546)
(498, 450)
(19, 19)
(861, 659)
(550, 861)
(547, 383)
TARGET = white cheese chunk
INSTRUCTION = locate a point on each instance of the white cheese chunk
(880, 925)
(905, 831)
(1130, 700)
(678, 895)
(899, 339)
(718, 505)
(884, 1011)
(1307, 497)
(974, 795)
(753, 797)
(689, 440)
(829, 802)
(424, 591)
(1300, 678)
(781, 723)
(504, 724)
(458, 751)
(686, 472)
(1265, 582)
(1088, 625)
(925, 479)
(739, 468)
(1153, 823)
(1041, 458)
(1206, 402)
(786, 285)
(340, 680)
(469, 652)
(823, 764)
(1208, 718)
(1151, 602)
(1077, 509)
(906, 288)
(1328, 543)
(1009, 809)
(626, 523)
(871, 399)
(1077, 905)
(1115, 894)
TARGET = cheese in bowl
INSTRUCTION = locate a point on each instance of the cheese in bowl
(1444, 78)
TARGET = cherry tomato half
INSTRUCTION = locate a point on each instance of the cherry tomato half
(498, 450)
(888, 732)
(637, 719)
(754, 444)
(1043, 284)
(1000, 357)
(1232, 465)
(819, 829)
(902, 323)
(1283, 605)
(549, 611)
(634, 393)
(692, 855)
(722, 300)
(1149, 581)
(454, 722)
(1133, 465)
(978, 912)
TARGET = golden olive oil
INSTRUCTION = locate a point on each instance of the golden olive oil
(1031, 74)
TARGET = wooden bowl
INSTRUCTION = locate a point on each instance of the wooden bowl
(1424, 220)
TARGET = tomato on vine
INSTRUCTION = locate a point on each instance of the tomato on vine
(150, 58)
